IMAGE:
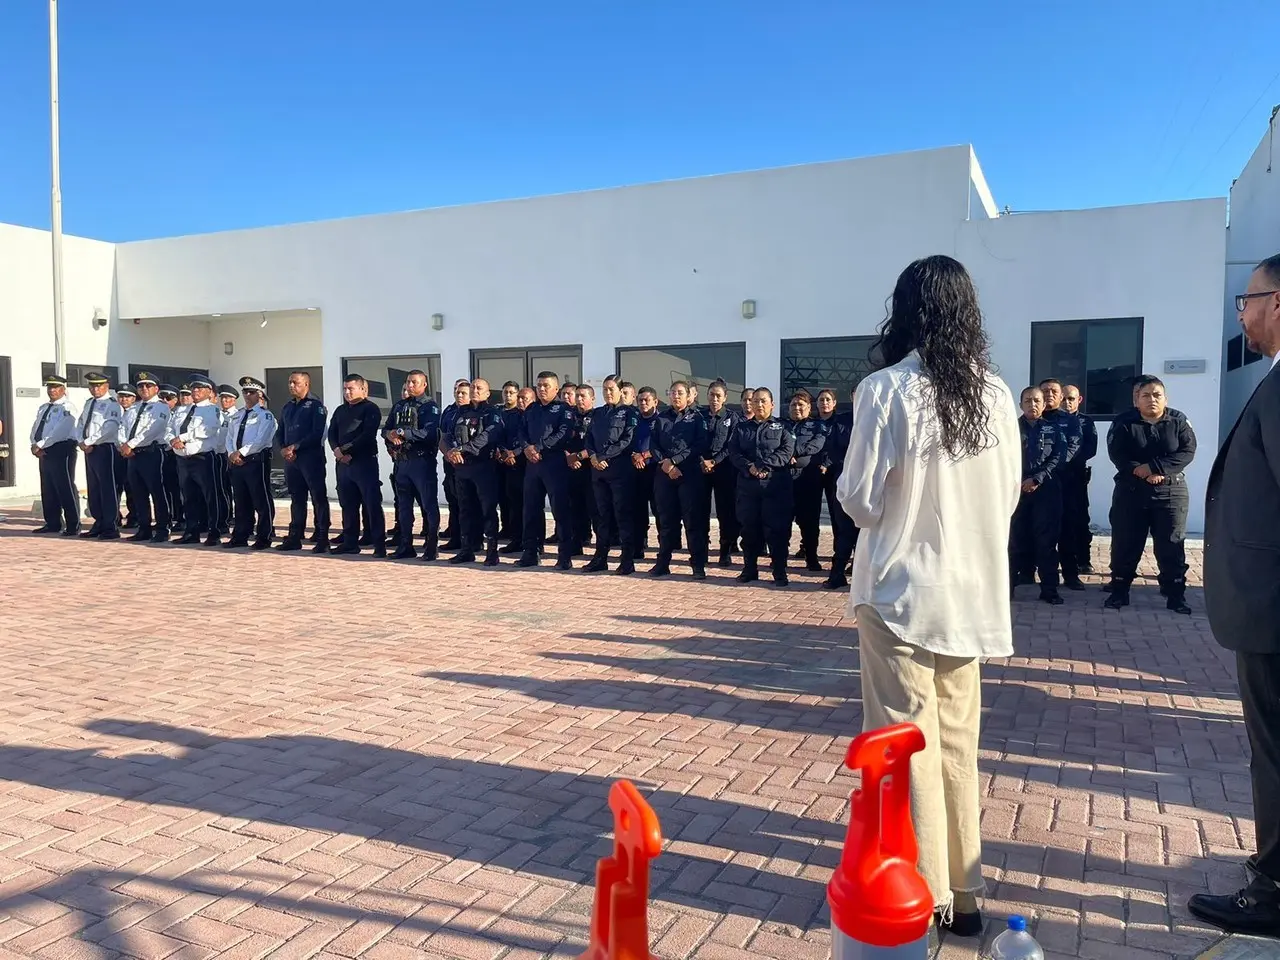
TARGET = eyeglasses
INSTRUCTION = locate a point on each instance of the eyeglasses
(1243, 298)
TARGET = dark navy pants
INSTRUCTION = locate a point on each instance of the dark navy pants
(104, 496)
(251, 488)
(682, 500)
(478, 489)
(58, 496)
(306, 477)
(146, 478)
(722, 485)
(360, 489)
(202, 505)
(1033, 537)
(416, 479)
(614, 489)
(764, 508)
(548, 478)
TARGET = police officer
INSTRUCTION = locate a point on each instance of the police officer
(192, 436)
(586, 515)
(1075, 519)
(53, 441)
(1068, 475)
(353, 438)
(126, 396)
(1151, 446)
(302, 425)
(546, 430)
(761, 449)
(226, 399)
(397, 455)
(470, 449)
(806, 475)
(169, 463)
(249, 443)
(722, 476)
(1037, 521)
(608, 445)
(98, 431)
(413, 429)
(452, 533)
(844, 533)
(511, 519)
(646, 468)
(145, 426)
(678, 444)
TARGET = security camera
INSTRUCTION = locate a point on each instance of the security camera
(99, 320)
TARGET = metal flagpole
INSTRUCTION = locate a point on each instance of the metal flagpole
(59, 332)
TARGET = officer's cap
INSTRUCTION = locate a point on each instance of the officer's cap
(144, 377)
(227, 390)
(53, 380)
(185, 388)
(199, 381)
(95, 378)
(125, 390)
(168, 390)
(253, 383)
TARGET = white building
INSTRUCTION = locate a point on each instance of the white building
(775, 277)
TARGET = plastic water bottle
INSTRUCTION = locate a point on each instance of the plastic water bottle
(1015, 943)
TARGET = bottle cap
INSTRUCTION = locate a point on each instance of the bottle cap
(1018, 924)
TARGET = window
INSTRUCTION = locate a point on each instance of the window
(523, 364)
(174, 376)
(1235, 355)
(386, 376)
(836, 363)
(1249, 356)
(1101, 357)
(701, 363)
(76, 372)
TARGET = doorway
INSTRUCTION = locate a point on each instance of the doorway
(6, 417)
(277, 382)
(523, 364)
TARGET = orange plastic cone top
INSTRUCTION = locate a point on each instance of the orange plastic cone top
(620, 917)
(877, 895)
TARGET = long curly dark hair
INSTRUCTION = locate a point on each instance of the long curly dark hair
(934, 310)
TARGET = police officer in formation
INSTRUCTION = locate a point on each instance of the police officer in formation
(811, 435)
(172, 484)
(412, 431)
(193, 435)
(1037, 521)
(98, 432)
(54, 441)
(678, 445)
(143, 447)
(302, 425)
(1070, 475)
(722, 476)
(844, 532)
(546, 431)
(353, 438)
(609, 441)
(126, 396)
(762, 449)
(1077, 537)
(1151, 446)
(470, 447)
(227, 397)
(248, 445)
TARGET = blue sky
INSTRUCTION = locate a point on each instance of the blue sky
(184, 116)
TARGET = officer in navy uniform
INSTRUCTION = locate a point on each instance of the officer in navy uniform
(761, 449)
(722, 477)
(98, 431)
(1075, 505)
(145, 427)
(1037, 520)
(396, 454)
(510, 519)
(1151, 445)
(844, 533)
(302, 427)
(646, 468)
(609, 442)
(678, 444)
(452, 533)
(126, 396)
(353, 438)
(806, 475)
(53, 441)
(512, 465)
(586, 517)
(1073, 433)
(470, 448)
(249, 442)
(227, 397)
(413, 429)
(545, 433)
(192, 436)
(169, 460)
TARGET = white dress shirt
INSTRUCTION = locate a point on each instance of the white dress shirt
(55, 421)
(99, 422)
(933, 554)
(224, 421)
(197, 428)
(146, 425)
(251, 431)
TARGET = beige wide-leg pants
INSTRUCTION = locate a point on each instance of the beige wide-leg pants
(943, 697)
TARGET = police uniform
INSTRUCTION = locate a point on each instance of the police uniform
(196, 428)
(806, 479)
(53, 440)
(610, 439)
(452, 533)
(415, 421)
(678, 444)
(547, 427)
(643, 484)
(763, 502)
(302, 426)
(353, 432)
(476, 430)
(844, 533)
(512, 479)
(146, 425)
(1037, 520)
(1068, 476)
(98, 431)
(586, 518)
(722, 481)
(249, 438)
(121, 465)
(225, 494)
(169, 466)
(1079, 537)
(1139, 508)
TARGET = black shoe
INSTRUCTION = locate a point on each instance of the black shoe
(430, 552)
(626, 567)
(91, 532)
(314, 537)
(342, 548)
(466, 556)
(660, 569)
(128, 523)
(1253, 910)
(1054, 599)
(139, 536)
(1086, 567)
(962, 924)
(1108, 586)
(597, 564)
(109, 535)
(287, 544)
(160, 536)
(381, 553)
(748, 575)
(515, 546)
(235, 542)
(263, 543)
(212, 540)
(47, 529)
(321, 545)
(491, 554)
(1118, 597)
(637, 553)
(1178, 605)
(71, 532)
(798, 555)
(726, 558)
(699, 571)
(188, 538)
(1072, 583)
(836, 581)
(527, 560)
(404, 553)
(335, 541)
(453, 543)
(780, 578)
(811, 562)
(564, 563)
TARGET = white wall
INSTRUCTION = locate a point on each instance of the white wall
(283, 342)
(1253, 236)
(1162, 262)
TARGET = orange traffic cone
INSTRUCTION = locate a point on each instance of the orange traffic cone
(620, 917)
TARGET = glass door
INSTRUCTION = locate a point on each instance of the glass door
(523, 364)
(498, 368)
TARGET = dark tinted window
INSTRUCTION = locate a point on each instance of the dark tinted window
(1101, 357)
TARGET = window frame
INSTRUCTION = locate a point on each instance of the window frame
(870, 338)
(531, 375)
(660, 347)
(110, 371)
(1082, 322)
(433, 388)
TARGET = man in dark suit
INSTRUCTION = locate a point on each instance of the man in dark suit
(1242, 597)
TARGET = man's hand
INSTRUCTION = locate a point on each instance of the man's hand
(1154, 479)
(178, 444)
(126, 451)
(1030, 486)
(290, 452)
(822, 469)
(708, 466)
(1142, 471)
(36, 451)
(394, 438)
(674, 472)
(637, 461)
(234, 458)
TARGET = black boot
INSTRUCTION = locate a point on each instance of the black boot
(1177, 599)
(750, 573)
(466, 555)
(811, 560)
(626, 566)
(1072, 581)
(288, 544)
(726, 558)
(836, 580)
(1119, 595)
(321, 544)
(663, 565)
(699, 568)
(491, 553)
(598, 563)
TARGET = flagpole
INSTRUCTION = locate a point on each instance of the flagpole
(59, 331)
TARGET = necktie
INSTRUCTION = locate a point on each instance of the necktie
(48, 408)
(244, 420)
(88, 418)
(187, 422)
(137, 420)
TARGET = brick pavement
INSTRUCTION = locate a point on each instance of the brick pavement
(297, 756)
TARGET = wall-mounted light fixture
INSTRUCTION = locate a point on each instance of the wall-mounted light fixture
(99, 318)
(748, 309)
(228, 348)
(437, 321)
(264, 322)
(215, 314)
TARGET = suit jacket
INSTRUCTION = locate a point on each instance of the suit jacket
(1242, 528)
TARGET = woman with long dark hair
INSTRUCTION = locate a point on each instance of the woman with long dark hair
(932, 477)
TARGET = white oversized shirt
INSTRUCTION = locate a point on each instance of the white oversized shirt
(99, 422)
(55, 422)
(933, 554)
(196, 427)
(259, 430)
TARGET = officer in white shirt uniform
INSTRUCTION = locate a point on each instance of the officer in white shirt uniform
(145, 427)
(98, 431)
(172, 486)
(248, 448)
(127, 398)
(193, 435)
(227, 397)
(53, 441)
